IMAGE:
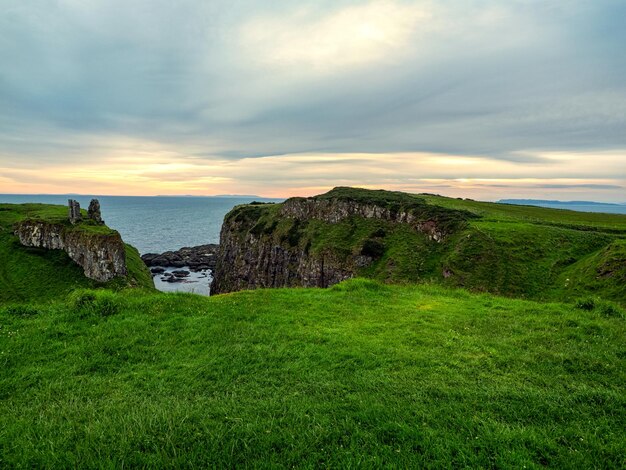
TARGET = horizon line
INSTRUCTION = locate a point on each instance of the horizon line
(518, 201)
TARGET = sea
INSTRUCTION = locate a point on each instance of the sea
(154, 224)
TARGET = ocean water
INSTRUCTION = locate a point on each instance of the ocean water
(155, 224)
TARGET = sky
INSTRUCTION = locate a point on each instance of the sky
(486, 99)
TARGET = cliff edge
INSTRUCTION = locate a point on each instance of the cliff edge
(45, 256)
(518, 251)
(98, 250)
(322, 240)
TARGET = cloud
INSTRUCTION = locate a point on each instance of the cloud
(483, 89)
(352, 36)
(163, 170)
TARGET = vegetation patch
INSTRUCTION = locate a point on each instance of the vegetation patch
(518, 251)
(358, 375)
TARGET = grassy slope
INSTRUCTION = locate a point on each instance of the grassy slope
(539, 252)
(356, 375)
(521, 251)
(39, 275)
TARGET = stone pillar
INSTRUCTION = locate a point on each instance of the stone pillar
(74, 211)
(94, 212)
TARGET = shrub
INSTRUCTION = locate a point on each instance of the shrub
(611, 310)
(82, 298)
(373, 248)
(107, 304)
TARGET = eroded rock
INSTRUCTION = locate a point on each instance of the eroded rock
(197, 258)
(102, 256)
(74, 214)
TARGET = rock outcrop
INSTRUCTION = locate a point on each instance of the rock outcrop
(197, 258)
(94, 212)
(336, 210)
(287, 245)
(101, 255)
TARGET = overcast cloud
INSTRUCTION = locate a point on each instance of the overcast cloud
(207, 86)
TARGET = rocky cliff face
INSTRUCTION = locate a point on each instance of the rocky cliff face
(336, 210)
(101, 255)
(247, 261)
(263, 246)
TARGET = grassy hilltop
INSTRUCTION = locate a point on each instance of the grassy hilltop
(363, 374)
(518, 251)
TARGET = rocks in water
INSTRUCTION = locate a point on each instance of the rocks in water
(74, 211)
(157, 270)
(169, 277)
(197, 258)
(94, 212)
(178, 275)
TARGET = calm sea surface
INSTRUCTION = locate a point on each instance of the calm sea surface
(155, 224)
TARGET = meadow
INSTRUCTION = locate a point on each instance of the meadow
(358, 375)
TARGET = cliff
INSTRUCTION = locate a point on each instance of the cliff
(100, 252)
(320, 241)
(519, 251)
(44, 257)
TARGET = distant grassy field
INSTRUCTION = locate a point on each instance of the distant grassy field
(359, 375)
(39, 275)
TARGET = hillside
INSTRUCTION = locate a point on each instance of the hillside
(362, 374)
(36, 274)
(520, 251)
(358, 375)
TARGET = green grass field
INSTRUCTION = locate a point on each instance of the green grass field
(364, 374)
(361, 374)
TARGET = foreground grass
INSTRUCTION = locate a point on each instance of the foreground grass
(359, 375)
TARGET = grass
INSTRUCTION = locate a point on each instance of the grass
(358, 375)
(363, 374)
(30, 274)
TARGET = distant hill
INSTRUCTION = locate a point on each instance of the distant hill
(582, 206)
